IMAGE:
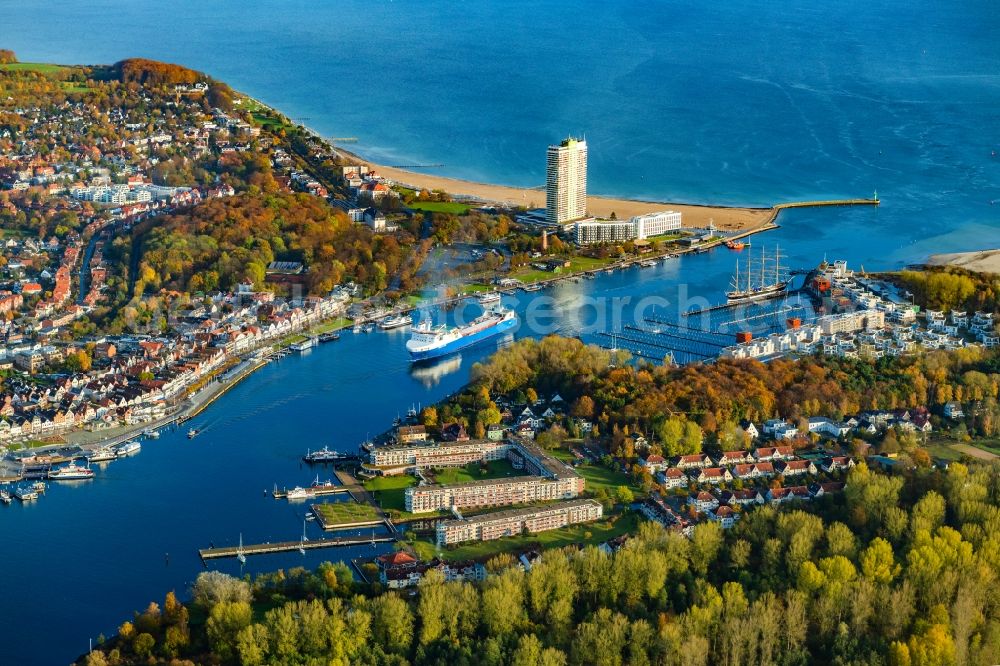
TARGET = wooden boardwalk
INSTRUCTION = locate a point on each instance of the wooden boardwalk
(290, 546)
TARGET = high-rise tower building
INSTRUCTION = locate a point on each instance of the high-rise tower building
(566, 182)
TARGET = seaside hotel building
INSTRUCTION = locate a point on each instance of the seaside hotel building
(514, 522)
(566, 182)
(639, 227)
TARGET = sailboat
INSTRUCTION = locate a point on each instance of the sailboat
(760, 280)
(302, 543)
(239, 551)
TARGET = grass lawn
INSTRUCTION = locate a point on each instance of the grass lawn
(528, 275)
(951, 449)
(346, 512)
(338, 323)
(494, 470)
(73, 87)
(598, 476)
(564, 455)
(577, 264)
(269, 122)
(40, 67)
(477, 288)
(453, 207)
(589, 533)
(388, 491)
(942, 450)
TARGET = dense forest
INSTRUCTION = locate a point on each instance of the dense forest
(666, 402)
(948, 287)
(224, 242)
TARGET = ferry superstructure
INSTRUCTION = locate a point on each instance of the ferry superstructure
(428, 341)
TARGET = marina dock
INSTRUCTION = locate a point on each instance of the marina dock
(291, 546)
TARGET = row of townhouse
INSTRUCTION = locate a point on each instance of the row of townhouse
(725, 507)
(514, 522)
(656, 463)
(675, 477)
(703, 501)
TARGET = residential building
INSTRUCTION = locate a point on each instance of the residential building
(672, 478)
(794, 467)
(491, 492)
(725, 515)
(394, 459)
(654, 463)
(592, 232)
(514, 522)
(711, 475)
(741, 497)
(789, 494)
(658, 511)
(692, 461)
(703, 501)
(407, 434)
(837, 464)
(953, 410)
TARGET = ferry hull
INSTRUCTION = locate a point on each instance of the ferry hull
(465, 342)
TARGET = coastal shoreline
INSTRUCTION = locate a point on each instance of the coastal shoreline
(724, 218)
(979, 261)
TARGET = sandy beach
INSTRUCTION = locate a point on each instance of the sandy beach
(724, 218)
(982, 261)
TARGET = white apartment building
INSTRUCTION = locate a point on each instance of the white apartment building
(639, 227)
(590, 232)
(437, 455)
(491, 492)
(566, 182)
(656, 224)
(517, 521)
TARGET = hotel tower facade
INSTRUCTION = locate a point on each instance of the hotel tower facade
(566, 182)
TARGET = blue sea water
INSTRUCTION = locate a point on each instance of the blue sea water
(743, 102)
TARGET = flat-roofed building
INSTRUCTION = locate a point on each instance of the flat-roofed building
(655, 224)
(450, 454)
(491, 492)
(514, 522)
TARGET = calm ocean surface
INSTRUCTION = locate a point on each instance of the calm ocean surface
(739, 103)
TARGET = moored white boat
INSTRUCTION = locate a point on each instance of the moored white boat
(298, 493)
(127, 448)
(103, 454)
(397, 321)
(71, 472)
(488, 297)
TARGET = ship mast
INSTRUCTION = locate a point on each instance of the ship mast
(777, 264)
